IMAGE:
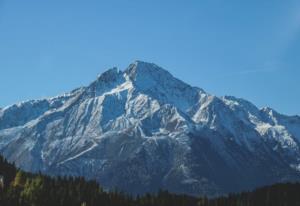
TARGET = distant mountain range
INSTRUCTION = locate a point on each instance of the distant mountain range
(141, 130)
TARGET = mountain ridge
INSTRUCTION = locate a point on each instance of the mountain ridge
(141, 130)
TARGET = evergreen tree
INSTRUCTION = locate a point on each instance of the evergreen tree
(26, 189)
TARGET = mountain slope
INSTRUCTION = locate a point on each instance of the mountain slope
(141, 129)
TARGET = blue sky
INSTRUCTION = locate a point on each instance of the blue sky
(248, 49)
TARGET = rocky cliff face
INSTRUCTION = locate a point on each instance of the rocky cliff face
(141, 129)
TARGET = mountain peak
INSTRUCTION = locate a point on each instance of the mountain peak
(109, 75)
(140, 68)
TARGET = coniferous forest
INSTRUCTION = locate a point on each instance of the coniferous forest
(19, 188)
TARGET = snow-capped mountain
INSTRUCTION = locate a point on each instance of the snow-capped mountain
(141, 130)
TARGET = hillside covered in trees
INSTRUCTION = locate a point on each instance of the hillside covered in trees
(18, 188)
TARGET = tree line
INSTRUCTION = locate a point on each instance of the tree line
(19, 188)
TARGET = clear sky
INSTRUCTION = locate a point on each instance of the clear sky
(248, 49)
